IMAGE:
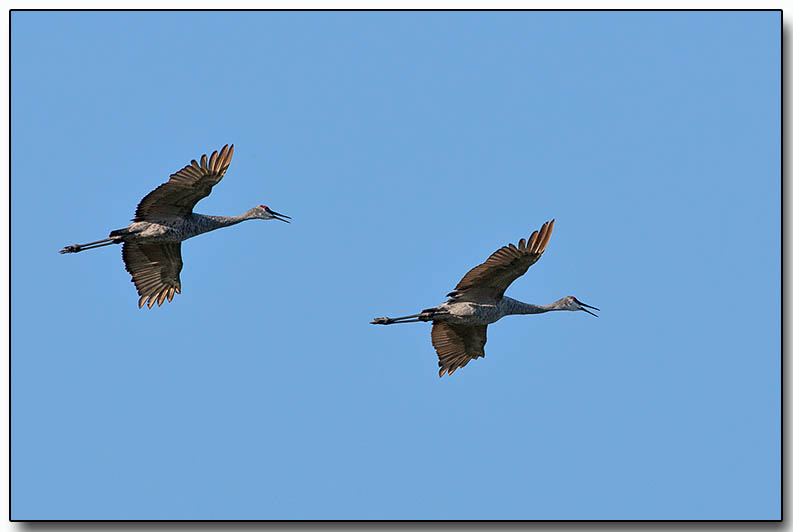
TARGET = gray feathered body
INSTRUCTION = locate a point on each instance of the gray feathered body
(473, 313)
(176, 229)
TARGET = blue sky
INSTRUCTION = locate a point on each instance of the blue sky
(407, 147)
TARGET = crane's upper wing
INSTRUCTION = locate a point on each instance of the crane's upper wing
(155, 270)
(457, 344)
(489, 280)
(178, 196)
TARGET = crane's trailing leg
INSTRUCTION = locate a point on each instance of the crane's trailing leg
(426, 315)
(76, 248)
(389, 321)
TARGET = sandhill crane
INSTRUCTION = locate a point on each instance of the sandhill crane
(164, 218)
(459, 326)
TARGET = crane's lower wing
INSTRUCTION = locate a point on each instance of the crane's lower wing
(457, 344)
(155, 270)
(185, 188)
(489, 280)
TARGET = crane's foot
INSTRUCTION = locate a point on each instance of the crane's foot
(381, 321)
(71, 249)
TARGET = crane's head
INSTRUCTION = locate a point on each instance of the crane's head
(571, 303)
(265, 213)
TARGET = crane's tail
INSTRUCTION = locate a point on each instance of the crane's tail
(76, 248)
(428, 314)
(118, 234)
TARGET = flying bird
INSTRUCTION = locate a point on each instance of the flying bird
(459, 326)
(164, 218)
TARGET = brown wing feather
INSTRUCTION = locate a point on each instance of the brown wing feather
(155, 270)
(185, 188)
(490, 279)
(457, 344)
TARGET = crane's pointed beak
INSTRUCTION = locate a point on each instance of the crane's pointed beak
(279, 216)
(584, 307)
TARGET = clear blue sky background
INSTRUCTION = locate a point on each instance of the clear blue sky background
(407, 147)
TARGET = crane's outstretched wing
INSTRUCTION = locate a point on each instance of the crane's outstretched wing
(155, 270)
(457, 344)
(177, 197)
(489, 280)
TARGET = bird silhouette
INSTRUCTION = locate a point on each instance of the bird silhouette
(164, 218)
(459, 326)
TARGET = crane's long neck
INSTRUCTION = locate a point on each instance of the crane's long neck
(205, 222)
(513, 306)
